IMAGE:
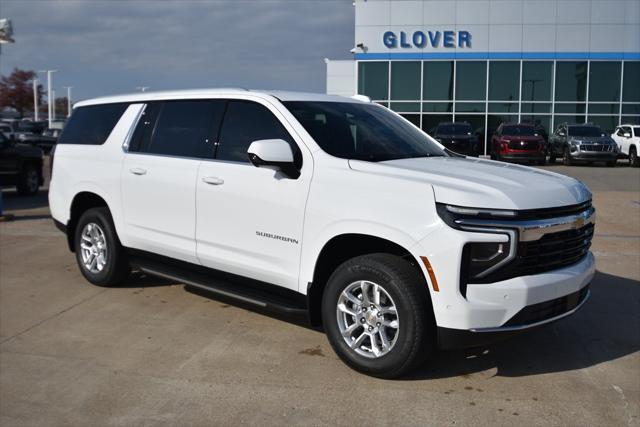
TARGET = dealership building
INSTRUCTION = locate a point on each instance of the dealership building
(488, 62)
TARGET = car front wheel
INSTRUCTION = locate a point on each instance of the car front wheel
(633, 157)
(377, 315)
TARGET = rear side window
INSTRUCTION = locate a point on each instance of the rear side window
(179, 128)
(92, 125)
(245, 122)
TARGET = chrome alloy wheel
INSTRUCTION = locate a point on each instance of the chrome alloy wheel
(94, 248)
(368, 319)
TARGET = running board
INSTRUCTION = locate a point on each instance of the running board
(262, 295)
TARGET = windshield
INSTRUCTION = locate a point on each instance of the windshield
(454, 129)
(519, 130)
(361, 131)
(585, 131)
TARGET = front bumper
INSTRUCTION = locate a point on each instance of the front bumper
(594, 156)
(524, 156)
(539, 314)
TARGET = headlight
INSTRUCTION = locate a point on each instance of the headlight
(480, 258)
(575, 142)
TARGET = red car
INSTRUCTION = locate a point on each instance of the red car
(518, 142)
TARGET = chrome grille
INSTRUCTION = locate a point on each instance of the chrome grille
(596, 147)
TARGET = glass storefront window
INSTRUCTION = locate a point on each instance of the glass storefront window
(471, 77)
(570, 108)
(406, 107)
(405, 80)
(536, 108)
(504, 80)
(604, 108)
(606, 123)
(604, 81)
(631, 83)
(631, 109)
(503, 107)
(571, 80)
(373, 79)
(431, 121)
(536, 81)
(495, 120)
(568, 119)
(631, 119)
(438, 81)
(470, 107)
(435, 107)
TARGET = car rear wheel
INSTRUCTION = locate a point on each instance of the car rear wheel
(633, 157)
(377, 315)
(611, 163)
(28, 181)
(99, 254)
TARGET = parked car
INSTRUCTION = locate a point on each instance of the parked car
(457, 137)
(324, 206)
(518, 142)
(582, 143)
(48, 139)
(628, 139)
(31, 126)
(7, 130)
(20, 166)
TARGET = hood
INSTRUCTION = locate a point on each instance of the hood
(484, 183)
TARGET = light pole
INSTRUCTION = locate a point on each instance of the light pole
(68, 100)
(49, 89)
(35, 100)
(53, 106)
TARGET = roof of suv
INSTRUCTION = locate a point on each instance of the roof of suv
(204, 93)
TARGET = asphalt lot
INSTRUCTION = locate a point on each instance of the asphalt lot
(153, 353)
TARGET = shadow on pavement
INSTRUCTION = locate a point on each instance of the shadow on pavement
(605, 329)
(12, 201)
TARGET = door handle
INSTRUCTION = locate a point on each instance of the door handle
(138, 171)
(213, 180)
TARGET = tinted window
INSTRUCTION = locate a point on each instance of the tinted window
(454, 129)
(571, 81)
(471, 80)
(92, 125)
(361, 131)
(373, 79)
(504, 80)
(184, 128)
(438, 80)
(636, 131)
(519, 130)
(584, 131)
(405, 80)
(245, 122)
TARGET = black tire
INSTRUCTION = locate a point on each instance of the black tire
(28, 181)
(552, 157)
(416, 336)
(566, 158)
(634, 161)
(611, 163)
(542, 161)
(116, 268)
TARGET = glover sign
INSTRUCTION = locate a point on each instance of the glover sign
(421, 39)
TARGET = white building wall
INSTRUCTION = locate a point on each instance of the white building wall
(341, 77)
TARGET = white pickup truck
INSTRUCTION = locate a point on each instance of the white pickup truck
(333, 207)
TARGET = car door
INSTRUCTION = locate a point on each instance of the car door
(250, 219)
(159, 175)
(624, 142)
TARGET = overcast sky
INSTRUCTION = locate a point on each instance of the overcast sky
(103, 47)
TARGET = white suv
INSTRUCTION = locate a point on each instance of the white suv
(329, 206)
(628, 139)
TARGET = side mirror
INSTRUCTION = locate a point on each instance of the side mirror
(274, 154)
(627, 135)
